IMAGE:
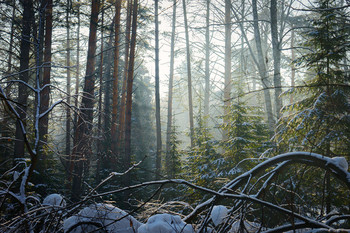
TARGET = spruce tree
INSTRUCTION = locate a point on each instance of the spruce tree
(319, 122)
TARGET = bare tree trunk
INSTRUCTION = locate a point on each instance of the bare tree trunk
(10, 51)
(169, 165)
(242, 62)
(207, 58)
(228, 83)
(158, 125)
(82, 140)
(4, 124)
(68, 115)
(276, 50)
(71, 162)
(293, 66)
(45, 93)
(189, 77)
(107, 107)
(127, 155)
(262, 67)
(23, 76)
(77, 79)
(100, 133)
(121, 128)
(114, 125)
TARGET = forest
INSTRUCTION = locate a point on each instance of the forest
(174, 116)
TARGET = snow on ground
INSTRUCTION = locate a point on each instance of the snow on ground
(55, 200)
(102, 216)
(218, 214)
(165, 223)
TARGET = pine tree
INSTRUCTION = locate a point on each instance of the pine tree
(320, 122)
(247, 138)
(203, 162)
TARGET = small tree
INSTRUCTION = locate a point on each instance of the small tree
(247, 138)
(203, 161)
(173, 165)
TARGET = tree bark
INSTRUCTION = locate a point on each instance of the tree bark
(293, 66)
(228, 82)
(68, 115)
(121, 128)
(127, 156)
(107, 97)
(70, 163)
(158, 124)
(82, 140)
(5, 123)
(189, 76)
(45, 93)
(77, 79)
(207, 58)
(262, 67)
(23, 76)
(169, 165)
(276, 50)
(115, 83)
(100, 134)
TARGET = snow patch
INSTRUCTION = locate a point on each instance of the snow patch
(103, 216)
(165, 223)
(341, 162)
(55, 200)
(218, 214)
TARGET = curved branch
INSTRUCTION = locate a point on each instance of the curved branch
(293, 157)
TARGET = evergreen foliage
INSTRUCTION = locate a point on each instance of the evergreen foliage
(319, 122)
(174, 166)
(203, 162)
(247, 138)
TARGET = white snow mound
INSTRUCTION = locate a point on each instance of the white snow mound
(165, 223)
(55, 200)
(102, 216)
(341, 162)
(218, 214)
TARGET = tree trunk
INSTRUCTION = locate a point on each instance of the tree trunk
(228, 83)
(127, 155)
(169, 165)
(5, 124)
(158, 125)
(77, 79)
(83, 138)
(207, 58)
(71, 162)
(121, 128)
(262, 67)
(100, 133)
(68, 115)
(23, 76)
(276, 50)
(45, 93)
(107, 107)
(115, 83)
(292, 78)
(189, 77)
